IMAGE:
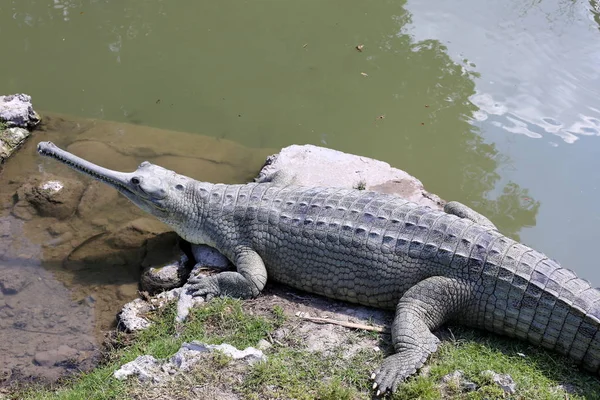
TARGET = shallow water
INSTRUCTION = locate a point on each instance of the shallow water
(491, 103)
(67, 269)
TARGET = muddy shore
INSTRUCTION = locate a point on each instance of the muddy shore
(71, 250)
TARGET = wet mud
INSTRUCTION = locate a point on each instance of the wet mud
(72, 249)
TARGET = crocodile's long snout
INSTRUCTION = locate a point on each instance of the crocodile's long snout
(119, 180)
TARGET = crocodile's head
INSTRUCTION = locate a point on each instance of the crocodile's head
(154, 189)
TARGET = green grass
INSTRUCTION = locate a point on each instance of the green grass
(293, 373)
(220, 321)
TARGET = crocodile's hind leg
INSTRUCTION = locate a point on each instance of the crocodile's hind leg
(460, 210)
(246, 283)
(423, 308)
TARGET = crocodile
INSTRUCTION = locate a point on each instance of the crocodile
(430, 266)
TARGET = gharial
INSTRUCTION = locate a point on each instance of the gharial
(373, 249)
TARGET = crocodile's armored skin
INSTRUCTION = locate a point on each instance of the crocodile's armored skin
(373, 249)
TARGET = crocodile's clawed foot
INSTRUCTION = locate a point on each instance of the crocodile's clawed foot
(396, 368)
(202, 286)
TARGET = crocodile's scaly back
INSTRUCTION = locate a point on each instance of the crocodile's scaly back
(370, 248)
(374, 249)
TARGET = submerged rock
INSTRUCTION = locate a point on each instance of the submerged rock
(48, 196)
(17, 110)
(127, 245)
(10, 140)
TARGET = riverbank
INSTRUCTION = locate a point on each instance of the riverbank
(306, 360)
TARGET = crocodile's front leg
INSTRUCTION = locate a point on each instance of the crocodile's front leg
(247, 282)
(423, 308)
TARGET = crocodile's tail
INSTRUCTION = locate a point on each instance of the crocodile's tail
(531, 297)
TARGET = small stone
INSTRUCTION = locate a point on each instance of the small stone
(58, 229)
(165, 277)
(263, 345)
(130, 319)
(455, 376)
(505, 381)
(281, 333)
(145, 367)
(53, 357)
(469, 386)
(12, 282)
(127, 292)
(10, 140)
(568, 387)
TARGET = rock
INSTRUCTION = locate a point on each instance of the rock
(148, 368)
(207, 256)
(318, 166)
(165, 277)
(568, 388)
(130, 317)
(185, 302)
(263, 345)
(281, 333)
(49, 197)
(59, 229)
(505, 381)
(134, 234)
(16, 110)
(456, 380)
(12, 282)
(166, 266)
(10, 140)
(95, 197)
(127, 245)
(187, 356)
(55, 357)
(127, 292)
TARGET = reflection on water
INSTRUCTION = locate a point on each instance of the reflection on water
(71, 249)
(538, 62)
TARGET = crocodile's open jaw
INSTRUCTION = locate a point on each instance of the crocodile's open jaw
(126, 183)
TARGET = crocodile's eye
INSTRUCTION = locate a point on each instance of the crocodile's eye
(179, 187)
(135, 181)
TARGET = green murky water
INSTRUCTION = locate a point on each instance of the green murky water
(492, 103)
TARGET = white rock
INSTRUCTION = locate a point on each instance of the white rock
(16, 110)
(505, 381)
(144, 367)
(185, 303)
(130, 317)
(148, 368)
(319, 166)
